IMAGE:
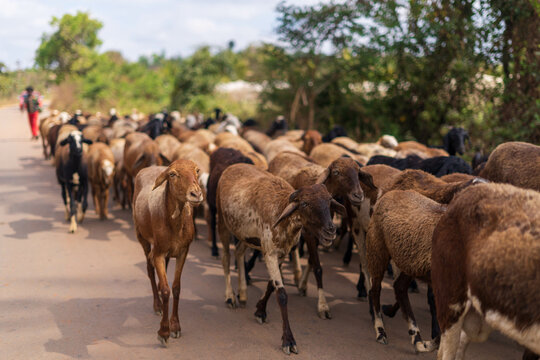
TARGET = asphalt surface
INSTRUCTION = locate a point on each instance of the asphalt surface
(87, 295)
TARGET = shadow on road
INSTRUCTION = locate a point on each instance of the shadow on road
(84, 322)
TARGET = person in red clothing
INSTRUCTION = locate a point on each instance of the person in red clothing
(31, 101)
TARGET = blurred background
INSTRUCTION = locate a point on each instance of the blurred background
(406, 68)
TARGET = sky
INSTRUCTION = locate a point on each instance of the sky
(141, 27)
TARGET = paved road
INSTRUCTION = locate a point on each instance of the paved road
(86, 295)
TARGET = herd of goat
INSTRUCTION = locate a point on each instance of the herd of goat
(471, 233)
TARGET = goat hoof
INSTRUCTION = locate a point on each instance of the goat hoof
(361, 298)
(381, 338)
(424, 346)
(242, 304)
(175, 334)
(162, 340)
(230, 303)
(260, 319)
(288, 349)
(325, 314)
(302, 292)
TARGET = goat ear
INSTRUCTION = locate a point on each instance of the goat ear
(367, 179)
(337, 207)
(139, 160)
(165, 160)
(161, 179)
(323, 177)
(87, 141)
(64, 142)
(286, 213)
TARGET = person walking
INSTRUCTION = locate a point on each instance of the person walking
(31, 101)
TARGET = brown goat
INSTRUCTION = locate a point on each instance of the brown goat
(117, 148)
(140, 151)
(95, 133)
(257, 139)
(456, 177)
(412, 147)
(325, 153)
(311, 138)
(162, 212)
(428, 185)
(382, 177)
(401, 229)
(264, 212)
(167, 146)
(342, 179)
(485, 268)
(100, 174)
(515, 163)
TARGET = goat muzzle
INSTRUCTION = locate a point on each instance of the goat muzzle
(195, 197)
(356, 198)
(327, 235)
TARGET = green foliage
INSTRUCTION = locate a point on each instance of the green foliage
(412, 68)
(409, 68)
(198, 75)
(70, 49)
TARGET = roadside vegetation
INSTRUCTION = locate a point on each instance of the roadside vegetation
(405, 68)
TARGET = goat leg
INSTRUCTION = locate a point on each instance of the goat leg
(165, 292)
(175, 322)
(322, 306)
(260, 314)
(240, 249)
(401, 286)
(288, 344)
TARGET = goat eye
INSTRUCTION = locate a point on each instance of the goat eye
(198, 171)
(335, 173)
(303, 204)
(171, 174)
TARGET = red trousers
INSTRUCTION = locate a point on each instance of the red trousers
(33, 119)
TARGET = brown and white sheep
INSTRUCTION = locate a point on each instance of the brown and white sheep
(101, 175)
(342, 179)
(162, 213)
(485, 268)
(264, 212)
(515, 163)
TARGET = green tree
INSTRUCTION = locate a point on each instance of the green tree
(71, 48)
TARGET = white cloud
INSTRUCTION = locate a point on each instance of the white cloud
(141, 27)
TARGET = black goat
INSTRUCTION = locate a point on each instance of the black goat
(454, 141)
(438, 165)
(410, 162)
(278, 127)
(159, 124)
(444, 165)
(336, 131)
(70, 161)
